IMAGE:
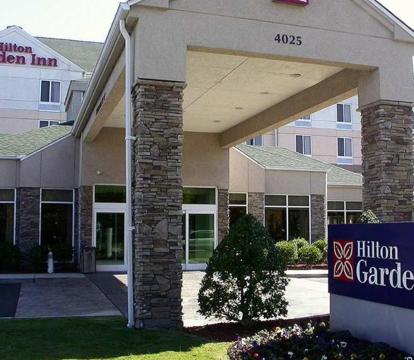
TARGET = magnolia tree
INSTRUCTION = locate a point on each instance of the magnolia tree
(245, 278)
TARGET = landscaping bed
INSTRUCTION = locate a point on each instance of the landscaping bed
(313, 341)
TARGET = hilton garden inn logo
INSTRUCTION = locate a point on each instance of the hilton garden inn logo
(370, 263)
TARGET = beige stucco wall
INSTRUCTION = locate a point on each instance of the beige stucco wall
(205, 163)
(245, 175)
(295, 182)
(8, 173)
(344, 193)
(106, 154)
(248, 176)
(53, 167)
(351, 34)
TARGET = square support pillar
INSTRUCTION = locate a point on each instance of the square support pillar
(158, 198)
(223, 213)
(318, 217)
(387, 153)
(256, 206)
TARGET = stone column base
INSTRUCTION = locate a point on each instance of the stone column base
(256, 207)
(318, 217)
(387, 153)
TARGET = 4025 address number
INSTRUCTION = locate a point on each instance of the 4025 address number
(287, 39)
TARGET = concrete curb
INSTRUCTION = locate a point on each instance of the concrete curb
(41, 276)
(307, 274)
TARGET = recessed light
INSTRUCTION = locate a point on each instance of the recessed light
(239, 108)
(264, 93)
(217, 121)
(296, 75)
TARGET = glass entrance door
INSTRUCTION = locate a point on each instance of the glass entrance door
(199, 238)
(110, 240)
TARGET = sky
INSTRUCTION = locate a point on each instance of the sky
(91, 19)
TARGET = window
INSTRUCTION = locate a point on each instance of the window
(46, 123)
(237, 206)
(287, 217)
(257, 141)
(50, 92)
(344, 114)
(304, 145)
(110, 194)
(345, 147)
(199, 196)
(304, 121)
(7, 206)
(344, 212)
(56, 217)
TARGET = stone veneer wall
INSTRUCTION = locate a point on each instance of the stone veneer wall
(255, 206)
(223, 213)
(27, 222)
(387, 153)
(85, 195)
(158, 198)
(318, 217)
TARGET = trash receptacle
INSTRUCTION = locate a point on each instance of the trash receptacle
(88, 260)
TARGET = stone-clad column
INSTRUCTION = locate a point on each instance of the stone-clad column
(158, 195)
(223, 213)
(255, 206)
(86, 214)
(27, 221)
(318, 217)
(387, 153)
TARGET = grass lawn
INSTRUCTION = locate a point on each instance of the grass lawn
(98, 338)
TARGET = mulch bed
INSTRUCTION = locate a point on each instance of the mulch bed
(306, 267)
(229, 332)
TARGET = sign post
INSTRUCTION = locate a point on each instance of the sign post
(371, 282)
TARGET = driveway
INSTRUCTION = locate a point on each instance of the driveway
(53, 296)
(105, 294)
(306, 297)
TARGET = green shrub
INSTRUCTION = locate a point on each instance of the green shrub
(368, 217)
(9, 257)
(309, 255)
(322, 245)
(288, 252)
(62, 252)
(245, 278)
(38, 257)
(300, 243)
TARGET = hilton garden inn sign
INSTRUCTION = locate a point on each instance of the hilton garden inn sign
(371, 281)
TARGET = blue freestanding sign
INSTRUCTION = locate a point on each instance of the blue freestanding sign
(373, 262)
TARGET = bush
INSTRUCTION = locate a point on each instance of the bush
(322, 245)
(9, 257)
(245, 278)
(300, 243)
(38, 257)
(62, 253)
(288, 252)
(368, 217)
(309, 255)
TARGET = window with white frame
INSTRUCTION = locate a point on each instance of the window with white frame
(344, 147)
(237, 206)
(257, 141)
(304, 121)
(344, 114)
(47, 123)
(50, 92)
(287, 217)
(344, 212)
(7, 215)
(304, 144)
(56, 218)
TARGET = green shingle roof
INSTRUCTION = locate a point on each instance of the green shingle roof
(83, 53)
(274, 158)
(31, 141)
